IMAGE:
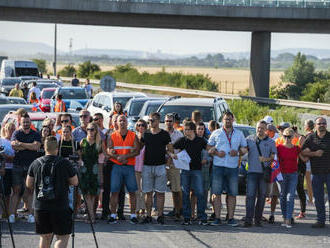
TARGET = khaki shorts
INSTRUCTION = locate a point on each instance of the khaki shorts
(272, 189)
(173, 175)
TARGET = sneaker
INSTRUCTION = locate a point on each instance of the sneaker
(318, 225)
(133, 221)
(232, 222)
(22, 210)
(216, 222)
(288, 226)
(31, 219)
(203, 222)
(186, 222)
(146, 220)
(112, 220)
(247, 224)
(271, 219)
(300, 216)
(161, 220)
(12, 218)
(171, 213)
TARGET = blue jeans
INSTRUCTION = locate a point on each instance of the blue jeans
(318, 182)
(224, 179)
(193, 180)
(256, 187)
(288, 189)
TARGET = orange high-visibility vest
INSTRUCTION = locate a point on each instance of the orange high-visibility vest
(59, 107)
(123, 147)
(281, 141)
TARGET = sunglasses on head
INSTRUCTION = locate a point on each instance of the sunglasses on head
(287, 136)
(91, 129)
(64, 121)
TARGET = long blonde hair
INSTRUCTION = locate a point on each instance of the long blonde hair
(97, 136)
(7, 127)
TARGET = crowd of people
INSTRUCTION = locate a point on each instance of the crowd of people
(144, 163)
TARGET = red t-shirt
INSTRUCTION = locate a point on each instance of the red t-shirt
(288, 158)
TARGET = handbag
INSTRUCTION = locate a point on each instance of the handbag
(266, 169)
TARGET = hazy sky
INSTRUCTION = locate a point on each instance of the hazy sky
(168, 41)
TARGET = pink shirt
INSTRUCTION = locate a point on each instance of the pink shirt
(139, 160)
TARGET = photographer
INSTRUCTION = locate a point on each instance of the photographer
(51, 203)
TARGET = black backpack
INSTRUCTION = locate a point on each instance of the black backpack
(47, 184)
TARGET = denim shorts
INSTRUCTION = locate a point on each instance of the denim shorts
(154, 178)
(224, 178)
(123, 174)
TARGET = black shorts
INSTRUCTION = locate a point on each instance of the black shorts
(57, 222)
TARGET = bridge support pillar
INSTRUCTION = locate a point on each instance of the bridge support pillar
(260, 64)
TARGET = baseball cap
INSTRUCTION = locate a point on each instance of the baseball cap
(283, 125)
(271, 127)
(268, 119)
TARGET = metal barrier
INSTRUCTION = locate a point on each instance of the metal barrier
(178, 91)
(246, 3)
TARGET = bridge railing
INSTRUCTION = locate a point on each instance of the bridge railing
(246, 3)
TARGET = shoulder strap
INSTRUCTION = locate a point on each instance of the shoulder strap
(259, 151)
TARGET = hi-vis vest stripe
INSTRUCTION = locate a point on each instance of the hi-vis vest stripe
(123, 147)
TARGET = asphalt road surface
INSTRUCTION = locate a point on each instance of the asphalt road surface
(174, 235)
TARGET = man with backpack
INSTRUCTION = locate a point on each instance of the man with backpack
(50, 177)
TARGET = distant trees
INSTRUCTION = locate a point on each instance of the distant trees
(41, 63)
(67, 71)
(87, 68)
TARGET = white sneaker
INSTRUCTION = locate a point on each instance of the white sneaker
(31, 219)
(12, 218)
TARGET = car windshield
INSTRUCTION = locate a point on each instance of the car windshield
(48, 94)
(42, 86)
(136, 107)
(17, 100)
(8, 82)
(152, 108)
(4, 101)
(246, 130)
(25, 71)
(122, 100)
(78, 93)
(185, 111)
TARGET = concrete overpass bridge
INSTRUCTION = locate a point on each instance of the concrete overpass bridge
(261, 17)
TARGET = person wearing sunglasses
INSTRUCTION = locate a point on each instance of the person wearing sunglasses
(91, 179)
(288, 155)
(173, 174)
(140, 127)
(65, 120)
(122, 149)
(81, 132)
(157, 142)
(317, 148)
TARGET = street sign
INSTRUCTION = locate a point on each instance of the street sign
(108, 84)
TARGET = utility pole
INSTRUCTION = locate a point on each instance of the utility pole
(55, 44)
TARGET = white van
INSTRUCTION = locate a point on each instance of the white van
(18, 68)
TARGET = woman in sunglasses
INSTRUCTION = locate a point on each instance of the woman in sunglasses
(91, 171)
(288, 158)
(141, 127)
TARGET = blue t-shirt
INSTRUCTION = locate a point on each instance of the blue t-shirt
(24, 158)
